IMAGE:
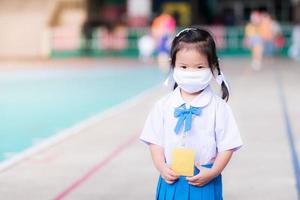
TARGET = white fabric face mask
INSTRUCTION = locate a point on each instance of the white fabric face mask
(192, 81)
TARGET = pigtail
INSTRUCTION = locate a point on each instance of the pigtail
(225, 92)
(175, 86)
(223, 84)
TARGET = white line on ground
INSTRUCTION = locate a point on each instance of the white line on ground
(62, 135)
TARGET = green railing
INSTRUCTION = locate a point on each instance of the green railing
(230, 42)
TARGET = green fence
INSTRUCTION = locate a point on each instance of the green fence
(230, 42)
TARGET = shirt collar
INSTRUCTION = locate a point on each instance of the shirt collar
(201, 100)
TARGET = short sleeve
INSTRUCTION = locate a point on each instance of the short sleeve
(152, 132)
(227, 133)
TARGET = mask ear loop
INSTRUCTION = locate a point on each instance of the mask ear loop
(170, 82)
(221, 78)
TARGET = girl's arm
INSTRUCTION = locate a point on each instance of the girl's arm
(207, 174)
(221, 161)
(158, 157)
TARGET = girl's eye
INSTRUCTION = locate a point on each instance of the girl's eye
(183, 67)
(200, 67)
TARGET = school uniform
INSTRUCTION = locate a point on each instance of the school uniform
(213, 129)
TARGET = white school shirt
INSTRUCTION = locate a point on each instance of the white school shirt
(213, 131)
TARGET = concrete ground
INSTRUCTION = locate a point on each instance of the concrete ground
(106, 161)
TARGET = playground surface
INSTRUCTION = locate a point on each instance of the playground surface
(104, 159)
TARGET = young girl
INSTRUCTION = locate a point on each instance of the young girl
(192, 117)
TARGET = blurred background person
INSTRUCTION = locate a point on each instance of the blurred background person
(271, 34)
(294, 49)
(146, 46)
(163, 29)
(267, 33)
(254, 40)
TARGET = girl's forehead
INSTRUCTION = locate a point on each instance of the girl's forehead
(198, 46)
(190, 55)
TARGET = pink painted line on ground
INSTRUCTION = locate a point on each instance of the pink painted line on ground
(96, 168)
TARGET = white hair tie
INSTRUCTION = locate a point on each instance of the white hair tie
(220, 79)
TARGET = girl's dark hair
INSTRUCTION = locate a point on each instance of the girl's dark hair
(202, 41)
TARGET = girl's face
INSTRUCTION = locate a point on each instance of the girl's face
(190, 60)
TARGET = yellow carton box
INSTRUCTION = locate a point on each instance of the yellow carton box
(183, 160)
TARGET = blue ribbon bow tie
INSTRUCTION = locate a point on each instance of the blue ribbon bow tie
(184, 115)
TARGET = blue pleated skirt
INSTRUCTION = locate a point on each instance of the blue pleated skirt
(182, 190)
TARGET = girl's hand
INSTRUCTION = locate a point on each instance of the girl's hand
(205, 176)
(168, 174)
